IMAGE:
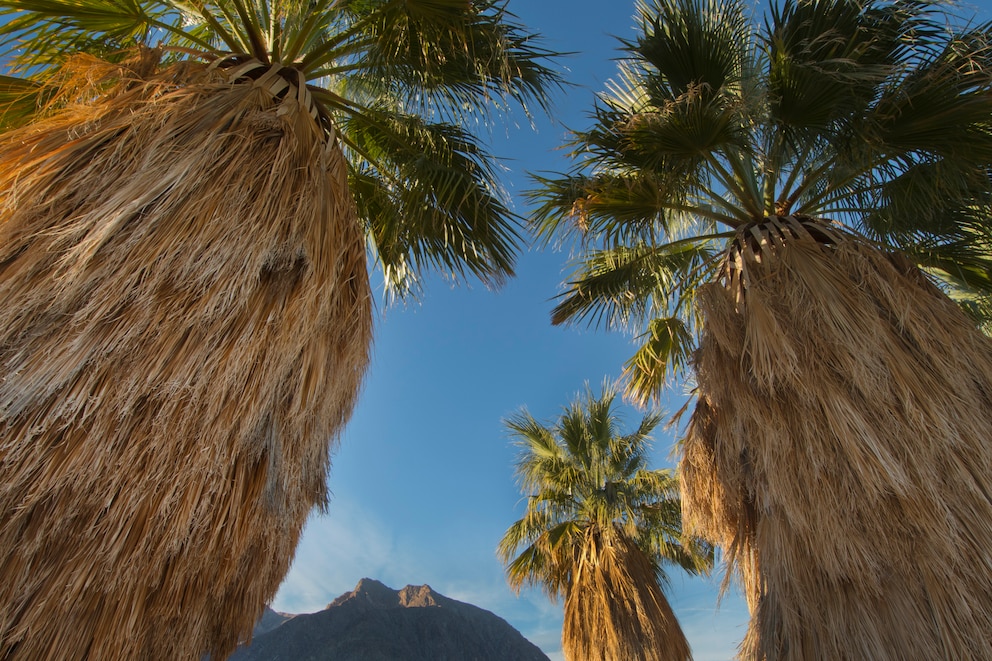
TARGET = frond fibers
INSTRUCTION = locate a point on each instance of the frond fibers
(614, 608)
(185, 326)
(839, 451)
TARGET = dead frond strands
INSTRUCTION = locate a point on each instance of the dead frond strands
(185, 326)
(615, 610)
(839, 452)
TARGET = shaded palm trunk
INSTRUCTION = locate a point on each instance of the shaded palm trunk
(186, 321)
(615, 610)
(839, 450)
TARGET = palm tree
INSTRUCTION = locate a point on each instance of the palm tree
(189, 191)
(785, 207)
(598, 530)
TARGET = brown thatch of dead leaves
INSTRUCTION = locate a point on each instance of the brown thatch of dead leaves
(185, 323)
(840, 450)
(615, 610)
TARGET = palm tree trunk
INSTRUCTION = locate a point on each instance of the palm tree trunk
(186, 321)
(839, 451)
(615, 610)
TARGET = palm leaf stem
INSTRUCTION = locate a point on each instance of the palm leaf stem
(250, 24)
(744, 172)
(808, 181)
(328, 49)
(794, 172)
(697, 239)
(729, 181)
(234, 41)
(172, 29)
(837, 188)
(229, 41)
(772, 171)
(683, 302)
(733, 221)
(337, 102)
(273, 29)
(336, 70)
(331, 54)
(333, 101)
(839, 195)
(711, 196)
(299, 40)
(822, 200)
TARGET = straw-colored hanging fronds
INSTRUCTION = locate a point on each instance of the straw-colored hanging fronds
(185, 323)
(614, 607)
(840, 450)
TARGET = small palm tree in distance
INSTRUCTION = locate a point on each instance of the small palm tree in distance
(599, 530)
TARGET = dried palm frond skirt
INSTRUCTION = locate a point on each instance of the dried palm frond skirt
(840, 451)
(615, 609)
(185, 323)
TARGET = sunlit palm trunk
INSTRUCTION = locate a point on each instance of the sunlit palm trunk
(839, 451)
(186, 320)
(615, 610)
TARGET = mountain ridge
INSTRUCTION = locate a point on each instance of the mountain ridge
(376, 623)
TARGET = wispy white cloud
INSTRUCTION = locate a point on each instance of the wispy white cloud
(335, 552)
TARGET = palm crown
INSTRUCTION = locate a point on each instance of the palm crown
(394, 81)
(870, 114)
(584, 476)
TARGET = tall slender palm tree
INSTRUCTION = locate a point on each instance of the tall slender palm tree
(599, 530)
(188, 191)
(785, 206)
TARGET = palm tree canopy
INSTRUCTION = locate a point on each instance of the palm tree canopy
(583, 476)
(396, 81)
(872, 114)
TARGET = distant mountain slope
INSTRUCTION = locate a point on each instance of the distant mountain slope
(376, 623)
(269, 621)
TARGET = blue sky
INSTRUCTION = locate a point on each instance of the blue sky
(422, 483)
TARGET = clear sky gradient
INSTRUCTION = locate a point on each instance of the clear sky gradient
(422, 483)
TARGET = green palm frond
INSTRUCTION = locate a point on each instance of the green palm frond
(427, 193)
(20, 99)
(965, 265)
(619, 208)
(871, 114)
(826, 59)
(623, 287)
(546, 561)
(665, 351)
(450, 62)
(691, 45)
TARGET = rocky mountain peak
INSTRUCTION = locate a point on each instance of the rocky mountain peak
(370, 593)
(419, 596)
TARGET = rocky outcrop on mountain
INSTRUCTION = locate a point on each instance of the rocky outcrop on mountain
(376, 623)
